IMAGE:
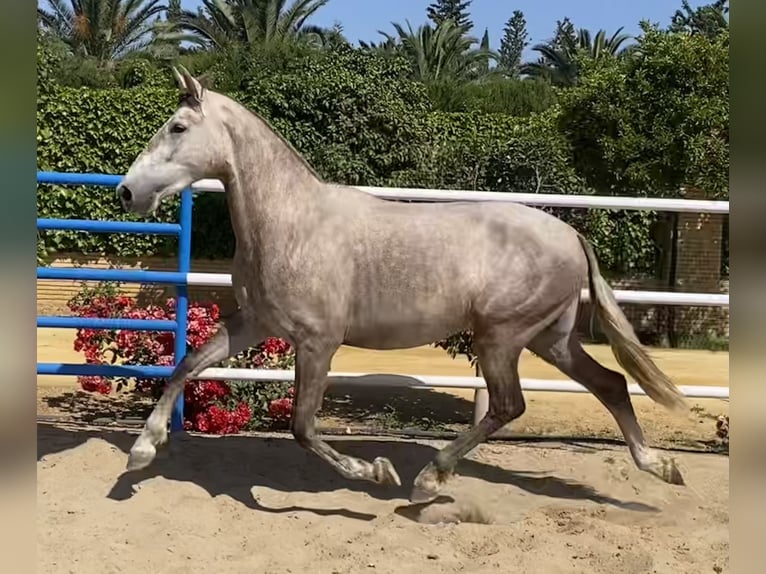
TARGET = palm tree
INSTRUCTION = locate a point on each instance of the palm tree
(333, 36)
(221, 23)
(613, 46)
(440, 52)
(103, 29)
(709, 20)
(558, 59)
(387, 45)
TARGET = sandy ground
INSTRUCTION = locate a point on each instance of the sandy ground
(549, 414)
(260, 504)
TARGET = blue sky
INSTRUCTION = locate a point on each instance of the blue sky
(361, 19)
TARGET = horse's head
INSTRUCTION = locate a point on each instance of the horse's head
(185, 149)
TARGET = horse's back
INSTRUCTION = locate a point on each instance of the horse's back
(459, 228)
(450, 258)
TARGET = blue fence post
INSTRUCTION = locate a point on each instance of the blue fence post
(182, 300)
(178, 278)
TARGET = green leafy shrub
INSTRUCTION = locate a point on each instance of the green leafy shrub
(102, 131)
(347, 111)
(512, 97)
(142, 72)
(650, 124)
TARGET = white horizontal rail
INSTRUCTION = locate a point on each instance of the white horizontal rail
(478, 383)
(623, 296)
(540, 199)
(432, 381)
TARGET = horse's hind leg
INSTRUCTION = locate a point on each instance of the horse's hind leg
(558, 345)
(234, 335)
(498, 354)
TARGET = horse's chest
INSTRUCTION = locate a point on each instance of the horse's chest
(247, 282)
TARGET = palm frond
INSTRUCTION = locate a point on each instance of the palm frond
(103, 29)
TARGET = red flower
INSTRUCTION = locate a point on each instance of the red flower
(206, 401)
(201, 394)
(220, 421)
(281, 409)
(95, 384)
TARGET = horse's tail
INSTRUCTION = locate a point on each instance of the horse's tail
(626, 347)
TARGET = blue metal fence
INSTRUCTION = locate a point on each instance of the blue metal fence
(179, 278)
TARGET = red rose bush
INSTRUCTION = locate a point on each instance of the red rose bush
(216, 407)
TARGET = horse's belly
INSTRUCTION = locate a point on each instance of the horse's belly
(401, 331)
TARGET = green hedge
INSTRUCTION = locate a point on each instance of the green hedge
(85, 130)
(493, 95)
(349, 113)
(496, 152)
(352, 114)
(651, 124)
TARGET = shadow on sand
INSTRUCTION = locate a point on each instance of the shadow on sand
(233, 465)
(374, 399)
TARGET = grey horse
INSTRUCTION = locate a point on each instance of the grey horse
(323, 265)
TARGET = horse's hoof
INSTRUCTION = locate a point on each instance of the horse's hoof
(141, 456)
(428, 484)
(385, 473)
(422, 496)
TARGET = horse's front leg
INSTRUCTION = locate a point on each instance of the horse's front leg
(235, 334)
(312, 363)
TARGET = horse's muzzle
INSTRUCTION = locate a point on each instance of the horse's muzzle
(126, 197)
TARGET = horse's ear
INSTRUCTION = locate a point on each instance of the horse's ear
(179, 79)
(193, 87)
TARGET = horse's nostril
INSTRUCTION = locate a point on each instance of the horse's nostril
(126, 194)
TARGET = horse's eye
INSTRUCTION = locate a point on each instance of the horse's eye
(177, 128)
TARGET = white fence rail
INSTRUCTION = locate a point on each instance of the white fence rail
(539, 199)
(477, 383)
(623, 296)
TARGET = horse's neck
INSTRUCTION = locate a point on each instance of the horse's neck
(257, 207)
(267, 183)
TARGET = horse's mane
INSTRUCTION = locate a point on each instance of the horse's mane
(188, 99)
(284, 140)
(289, 146)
